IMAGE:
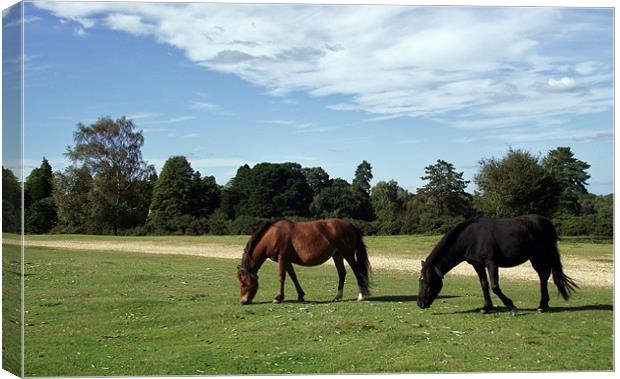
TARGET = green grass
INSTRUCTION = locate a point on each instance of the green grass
(110, 313)
(11, 309)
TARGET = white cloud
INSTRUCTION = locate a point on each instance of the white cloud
(292, 123)
(300, 127)
(154, 130)
(128, 23)
(494, 64)
(204, 105)
(564, 84)
(553, 134)
(79, 32)
(31, 19)
(143, 115)
(17, 21)
(172, 120)
(85, 22)
(586, 68)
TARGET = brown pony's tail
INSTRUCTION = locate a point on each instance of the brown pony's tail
(565, 284)
(361, 261)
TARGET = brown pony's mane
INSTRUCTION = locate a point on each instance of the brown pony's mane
(256, 236)
(446, 241)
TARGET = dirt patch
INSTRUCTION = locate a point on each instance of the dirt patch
(584, 271)
(201, 250)
(590, 272)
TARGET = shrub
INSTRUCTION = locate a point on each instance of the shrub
(245, 224)
(585, 225)
(388, 227)
(198, 227)
(604, 227)
(219, 224)
(368, 228)
(140, 230)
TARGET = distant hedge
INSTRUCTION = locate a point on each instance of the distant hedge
(219, 224)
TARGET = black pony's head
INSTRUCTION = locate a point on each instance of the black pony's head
(431, 282)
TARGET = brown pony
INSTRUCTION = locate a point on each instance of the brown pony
(307, 244)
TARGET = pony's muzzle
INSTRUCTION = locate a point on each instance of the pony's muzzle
(246, 302)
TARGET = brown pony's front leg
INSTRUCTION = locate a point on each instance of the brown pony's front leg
(291, 273)
(282, 271)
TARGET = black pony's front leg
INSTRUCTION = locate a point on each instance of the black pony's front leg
(282, 271)
(484, 283)
(494, 276)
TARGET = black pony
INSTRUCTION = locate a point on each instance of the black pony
(492, 243)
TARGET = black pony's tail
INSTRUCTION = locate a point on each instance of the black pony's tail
(565, 284)
(362, 262)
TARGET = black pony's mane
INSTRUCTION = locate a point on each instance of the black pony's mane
(447, 240)
(253, 241)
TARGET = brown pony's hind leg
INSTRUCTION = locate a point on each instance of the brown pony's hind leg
(363, 289)
(342, 273)
(291, 273)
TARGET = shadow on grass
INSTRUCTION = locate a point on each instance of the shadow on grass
(592, 307)
(402, 298)
(527, 311)
(381, 299)
(294, 301)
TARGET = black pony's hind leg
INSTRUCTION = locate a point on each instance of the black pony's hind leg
(484, 283)
(544, 271)
(342, 273)
(494, 276)
(291, 273)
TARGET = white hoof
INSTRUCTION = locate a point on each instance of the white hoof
(360, 297)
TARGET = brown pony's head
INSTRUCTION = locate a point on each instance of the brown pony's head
(431, 281)
(249, 285)
(246, 271)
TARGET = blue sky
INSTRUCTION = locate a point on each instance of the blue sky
(325, 86)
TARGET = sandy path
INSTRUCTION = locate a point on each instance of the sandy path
(585, 271)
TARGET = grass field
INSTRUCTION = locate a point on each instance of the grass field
(123, 313)
(11, 309)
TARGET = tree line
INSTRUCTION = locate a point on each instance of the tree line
(110, 189)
